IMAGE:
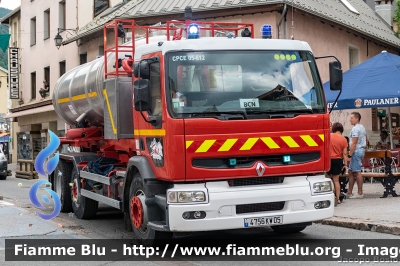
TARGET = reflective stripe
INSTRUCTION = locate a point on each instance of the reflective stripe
(109, 111)
(322, 136)
(290, 142)
(150, 132)
(205, 146)
(249, 144)
(78, 97)
(270, 143)
(309, 140)
(228, 144)
(188, 143)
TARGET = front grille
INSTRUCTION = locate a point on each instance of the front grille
(246, 162)
(260, 207)
(254, 181)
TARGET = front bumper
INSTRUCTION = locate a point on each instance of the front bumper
(3, 168)
(222, 200)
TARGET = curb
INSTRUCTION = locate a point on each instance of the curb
(363, 225)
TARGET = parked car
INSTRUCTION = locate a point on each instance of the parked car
(3, 165)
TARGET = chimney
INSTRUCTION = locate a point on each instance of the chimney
(385, 9)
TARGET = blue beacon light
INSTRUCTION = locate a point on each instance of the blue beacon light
(193, 31)
(266, 31)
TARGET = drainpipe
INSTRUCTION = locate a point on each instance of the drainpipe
(280, 21)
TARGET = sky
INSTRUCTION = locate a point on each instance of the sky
(10, 4)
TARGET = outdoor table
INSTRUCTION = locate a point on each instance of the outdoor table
(388, 179)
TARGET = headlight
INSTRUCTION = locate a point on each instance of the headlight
(186, 196)
(322, 187)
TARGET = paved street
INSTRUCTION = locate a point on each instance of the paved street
(18, 220)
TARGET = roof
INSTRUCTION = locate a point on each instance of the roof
(13, 12)
(4, 70)
(367, 22)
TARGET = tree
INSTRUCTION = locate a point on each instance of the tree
(397, 17)
(4, 30)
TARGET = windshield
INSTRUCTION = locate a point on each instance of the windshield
(243, 83)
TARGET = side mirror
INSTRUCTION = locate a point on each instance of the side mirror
(141, 91)
(144, 68)
(335, 76)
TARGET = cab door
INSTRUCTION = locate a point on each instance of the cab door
(163, 142)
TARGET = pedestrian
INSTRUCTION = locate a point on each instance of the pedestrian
(358, 143)
(384, 141)
(45, 90)
(338, 153)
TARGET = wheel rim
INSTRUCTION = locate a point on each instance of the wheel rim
(75, 195)
(57, 182)
(138, 212)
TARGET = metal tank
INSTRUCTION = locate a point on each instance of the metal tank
(78, 93)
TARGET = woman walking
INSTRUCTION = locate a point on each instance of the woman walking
(338, 153)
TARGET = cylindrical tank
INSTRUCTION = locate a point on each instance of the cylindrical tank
(80, 90)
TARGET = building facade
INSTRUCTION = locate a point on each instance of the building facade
(33, 27)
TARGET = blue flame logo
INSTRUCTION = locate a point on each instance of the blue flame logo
(43, 160)
(46, 153)
(35, 200)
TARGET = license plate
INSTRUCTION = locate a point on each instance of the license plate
(263, 221)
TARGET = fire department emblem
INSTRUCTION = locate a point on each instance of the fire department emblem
(156, 150)
(358, 103)
(155, 146)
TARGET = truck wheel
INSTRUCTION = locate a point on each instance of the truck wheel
(62, 178)
(84, 208)
(138, 212)
(288, 229)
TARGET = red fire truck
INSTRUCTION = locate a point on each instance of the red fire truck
(196, 126)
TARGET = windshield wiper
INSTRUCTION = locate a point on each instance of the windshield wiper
(282, 113)
(212, 113)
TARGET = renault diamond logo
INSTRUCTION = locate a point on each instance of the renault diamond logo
(260, 169)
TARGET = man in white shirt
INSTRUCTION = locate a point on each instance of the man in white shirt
(358, 144)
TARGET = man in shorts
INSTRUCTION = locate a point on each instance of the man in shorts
(358, 143)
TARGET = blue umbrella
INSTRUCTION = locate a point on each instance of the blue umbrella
(372, 84)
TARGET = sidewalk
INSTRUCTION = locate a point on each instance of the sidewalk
(371, 213)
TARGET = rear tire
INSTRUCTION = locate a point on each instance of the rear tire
(146, 235)
(288, 229)
(84, 208)
(3, 177)
(61, 180)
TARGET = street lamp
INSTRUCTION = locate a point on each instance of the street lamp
(59, 39)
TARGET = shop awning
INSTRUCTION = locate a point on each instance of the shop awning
(4, 137)
(38, 110)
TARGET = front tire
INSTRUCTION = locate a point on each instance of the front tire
(3, 177)
(289, 229)
(138, 214)
(61, 180)
(84, 208)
